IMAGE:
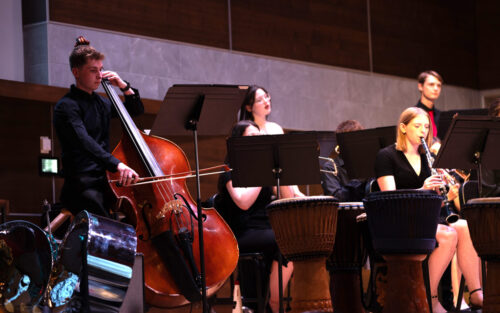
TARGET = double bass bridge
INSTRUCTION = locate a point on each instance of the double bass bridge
(173, 205)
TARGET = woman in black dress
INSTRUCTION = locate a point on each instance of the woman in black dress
(244, 209)
(404, 166)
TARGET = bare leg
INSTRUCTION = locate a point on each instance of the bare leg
(468, 260)
(439, 260)
(456, 276)
(274, 300)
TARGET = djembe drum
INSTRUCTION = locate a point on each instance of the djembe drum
(403, 226)
(482, 215)
(305, 233)
(346, 260)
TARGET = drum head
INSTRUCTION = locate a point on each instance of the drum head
(26, 258)
(301, 201)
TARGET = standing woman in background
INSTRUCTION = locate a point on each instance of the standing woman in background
(256, 107)
(404, 166)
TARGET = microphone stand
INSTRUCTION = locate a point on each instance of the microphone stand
(277, 170)
(192, 124)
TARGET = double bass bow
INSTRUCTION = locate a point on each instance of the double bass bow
(165, 221)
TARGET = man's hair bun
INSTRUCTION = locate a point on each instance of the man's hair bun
(81, 41)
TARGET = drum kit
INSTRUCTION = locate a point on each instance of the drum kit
(89, 269)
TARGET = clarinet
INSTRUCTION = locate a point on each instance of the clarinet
(450, 216)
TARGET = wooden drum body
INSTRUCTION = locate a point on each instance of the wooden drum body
(483, 215)
(305, 232)
(346, 260)
(403, 226)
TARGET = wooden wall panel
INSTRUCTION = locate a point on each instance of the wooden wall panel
(327, 32)
(193, 21)
(456, 38)
(488, 43)
(25, 115)
(21, 124)
(412, 36)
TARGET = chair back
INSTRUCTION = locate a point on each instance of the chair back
(372, 186)
(468, 190)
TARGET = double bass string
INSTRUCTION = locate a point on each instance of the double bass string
(138, 141)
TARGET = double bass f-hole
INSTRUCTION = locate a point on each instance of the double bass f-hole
(143, 207)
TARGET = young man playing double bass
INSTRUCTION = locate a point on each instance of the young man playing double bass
(82, 121)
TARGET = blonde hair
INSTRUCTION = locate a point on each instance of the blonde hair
(405, 118)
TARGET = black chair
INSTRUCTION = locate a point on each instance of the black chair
(254, 281)
(251, 272)
(468, 190)
(254, 286)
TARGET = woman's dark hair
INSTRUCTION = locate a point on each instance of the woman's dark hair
(349, 126)
(82, 52)
(240, 127)
(249, 101)
(237, 131)
(494, 109)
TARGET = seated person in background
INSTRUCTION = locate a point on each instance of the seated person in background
(339, 185)
(491, 178)
(245, 211)
(404, 166)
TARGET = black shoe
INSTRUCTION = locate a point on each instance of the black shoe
(472, 305)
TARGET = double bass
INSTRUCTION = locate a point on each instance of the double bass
(165, 223)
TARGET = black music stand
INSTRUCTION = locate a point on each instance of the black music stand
(358, 149)
(181, 113)
(221, 103)
(326, 140)
(274, 160)
(445, 118)
(471, 143)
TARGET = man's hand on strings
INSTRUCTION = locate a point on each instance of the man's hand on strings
(116, 80)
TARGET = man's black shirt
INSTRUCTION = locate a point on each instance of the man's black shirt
(82, 122)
